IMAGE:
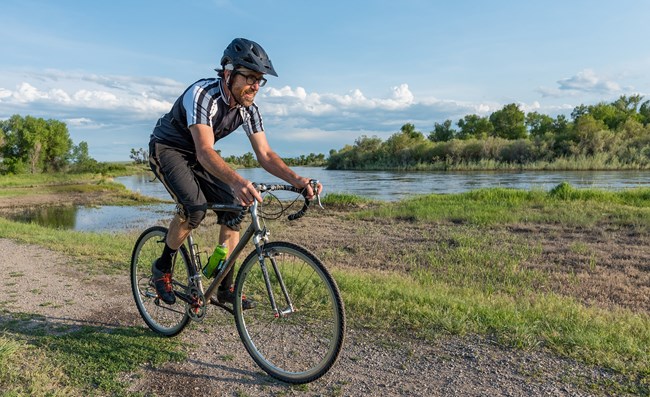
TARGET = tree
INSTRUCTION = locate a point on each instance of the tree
(508, 122)
(563, 139)
(2, 135)
(80, 153)
(561, 125)
(81, 160)
(406, 137)
(608, 114)
(139, 156)
(539, 124)
(57, 146)
(17, 145)
(644, 112)
(592, 135)
(579, 111)
(367, 144)
(615, 114)
(408, 130)
(248, 160)
(23, 147)
(442, 132)
(35, 145)
(628, 105)
(474, 126)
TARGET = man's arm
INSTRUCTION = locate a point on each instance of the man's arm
(214, 164)
(271, 162)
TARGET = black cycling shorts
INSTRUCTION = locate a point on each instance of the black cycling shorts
(189, 184)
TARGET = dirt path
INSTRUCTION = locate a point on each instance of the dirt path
(371, 364)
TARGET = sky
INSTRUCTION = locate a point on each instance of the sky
(346, 69)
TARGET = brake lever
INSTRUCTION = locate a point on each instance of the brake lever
(314, 186)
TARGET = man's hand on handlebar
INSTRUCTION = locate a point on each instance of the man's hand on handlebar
(247, 193)
(312, 188)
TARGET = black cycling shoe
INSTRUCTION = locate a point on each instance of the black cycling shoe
(228, 296)
(163, 283)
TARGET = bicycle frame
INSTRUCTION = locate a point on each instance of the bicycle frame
(254, 232)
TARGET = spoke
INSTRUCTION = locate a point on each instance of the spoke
(300, 346)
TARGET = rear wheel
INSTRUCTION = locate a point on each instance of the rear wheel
(301, 342)
(167, 320)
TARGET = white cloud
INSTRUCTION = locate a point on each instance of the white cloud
(585, 81)
(58, 95)
(28, 93)
(402, 95)
(78, 93)
(483, 109)
(96, 99)
(530, 107)
(287, 101)
(81, 122)
(4, 93)
(146, 105)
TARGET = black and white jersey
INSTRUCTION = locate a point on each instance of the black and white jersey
(204, 102)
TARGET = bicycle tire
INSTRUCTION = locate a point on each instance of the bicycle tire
(300, 347)
(166, 320)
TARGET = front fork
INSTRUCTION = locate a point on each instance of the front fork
(277, 312)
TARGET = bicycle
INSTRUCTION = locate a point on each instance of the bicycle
(295, 332)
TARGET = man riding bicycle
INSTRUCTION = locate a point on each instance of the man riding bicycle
(183, 158)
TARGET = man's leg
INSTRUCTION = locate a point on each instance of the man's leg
(162, 267)
(179, 229)
(175, 170)
(230, 238)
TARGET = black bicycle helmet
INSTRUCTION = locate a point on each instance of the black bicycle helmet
(249, 54)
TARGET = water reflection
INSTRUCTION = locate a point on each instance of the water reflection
(96, 219)
(54, 217)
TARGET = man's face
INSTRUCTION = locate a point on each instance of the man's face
(245, 84)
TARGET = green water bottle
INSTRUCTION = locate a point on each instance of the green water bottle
(215, 261)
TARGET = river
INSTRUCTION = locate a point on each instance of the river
(394, 185)
(377, 185)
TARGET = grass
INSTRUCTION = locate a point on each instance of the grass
(17, 186)
(562, 205)
(472, 282)
(37, 360)
(344, 200)
(430, 307)
(50, 179)
(96, 252)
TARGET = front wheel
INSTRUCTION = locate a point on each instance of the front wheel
(167, 320)
(301, 340)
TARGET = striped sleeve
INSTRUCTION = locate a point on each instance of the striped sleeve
(198, 101)
(252, 119)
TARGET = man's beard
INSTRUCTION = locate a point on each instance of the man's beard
(244, 99)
